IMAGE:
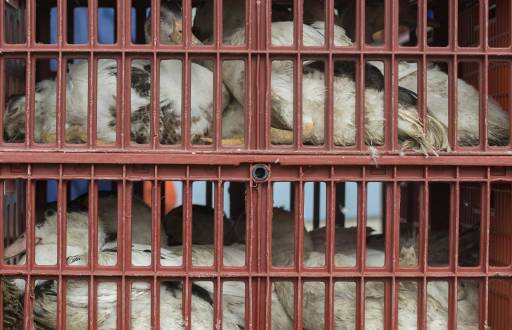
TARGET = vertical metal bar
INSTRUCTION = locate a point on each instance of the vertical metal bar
(93, 99)
(454, 253)
(263, 95)
(484, 254)
(155, 247)
(30, 97)
(251, 69)
(30, 194)
(93, 303)
(187, 27)
(93, 248)
(249, 102)
(391, 113)
(452, 302)
(218, 247)
(297, 96)
(156, 302)
(329, 108)
(394, 232)
(93, 225)
(362, 219)
(217, 75)
(484, 299)
(299, 229)
(330, 253)
(61, 246)
(93, 23)
(484, 109)
(30, 23)
(395, 252)
(423, 235)
(509, 64)
(124, 22)
(2, 296)
(127, 106)
(154, 101)
(298, 215)
(3, 40)
(360, 103)
(261, 232)
(2, 235)
(454, 228)
(186, 107)
(187, 246)
(454, 24)
(361, 247)
(423, 91)
(361, 25)
(360, 303)
(156, 228)
(124, 254)
(61, 75)
(422, 25)
(61, 100)
(266, 317)
(217, 94)
(484, 24)
(250, 305)
(2, 85)
(453, 103)
(155, 27)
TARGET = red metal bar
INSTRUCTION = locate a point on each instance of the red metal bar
(2, 233)
(3, 79)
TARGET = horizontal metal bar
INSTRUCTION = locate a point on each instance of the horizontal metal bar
(238, 157)
(16, 49)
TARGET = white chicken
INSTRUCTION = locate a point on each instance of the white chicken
(46, 238)
(410, 128)
(170, 103)
(12, 305)
(202, 85)
(76, 107)
(437, 87)
(344, 297)
(468, 106)
(77, 305)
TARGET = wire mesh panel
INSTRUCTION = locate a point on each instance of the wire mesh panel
(284, 164)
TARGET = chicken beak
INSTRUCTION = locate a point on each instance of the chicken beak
(177, 31)
(403, 36)
(18, 247)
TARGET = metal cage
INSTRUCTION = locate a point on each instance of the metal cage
(457, 198)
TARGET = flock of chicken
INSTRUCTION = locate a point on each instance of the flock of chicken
(233, 294)
(411, 131)
(412, 135)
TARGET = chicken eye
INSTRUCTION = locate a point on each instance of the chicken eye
(12, 110)
(49, 213)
